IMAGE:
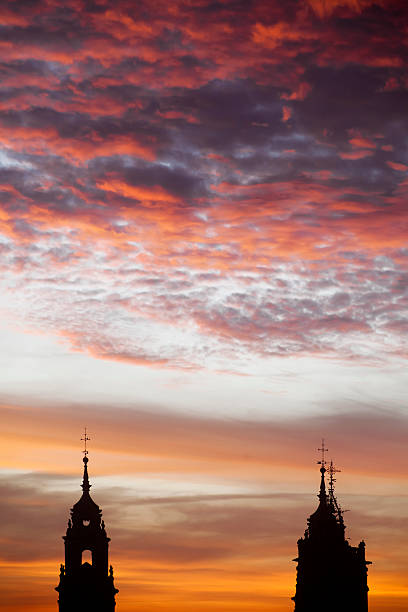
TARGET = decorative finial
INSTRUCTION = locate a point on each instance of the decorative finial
(322, 493)
(323, 450)
(85, 439)
(85, 483)
(332, 498)
(332, 471)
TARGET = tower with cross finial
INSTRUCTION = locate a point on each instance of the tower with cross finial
(331, 574)
(86, 580)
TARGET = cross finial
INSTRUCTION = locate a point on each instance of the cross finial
(323, 450)
(332, 471)
(85, 439)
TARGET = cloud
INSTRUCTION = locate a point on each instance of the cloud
(203, 186)
(397, 166)
(325, 8)
(173, 442)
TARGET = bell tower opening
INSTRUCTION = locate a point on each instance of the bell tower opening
(86, 556)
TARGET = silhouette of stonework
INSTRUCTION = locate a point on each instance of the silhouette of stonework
(331, 574)
(86, 583)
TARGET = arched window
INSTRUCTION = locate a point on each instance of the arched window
(86, 557)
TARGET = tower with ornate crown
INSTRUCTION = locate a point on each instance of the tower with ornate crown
(86, 580)
(331, 574)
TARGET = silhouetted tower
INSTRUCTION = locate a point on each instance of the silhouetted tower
(86, 583)
(331, 574)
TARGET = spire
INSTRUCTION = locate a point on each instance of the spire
(85, 482)
(322, 493)
(85, 508)
(327, 521)
(332, 498)
(332, 471)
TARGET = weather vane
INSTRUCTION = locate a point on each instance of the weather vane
(85, 439)
(323, 450)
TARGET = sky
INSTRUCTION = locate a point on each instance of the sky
(203, 260)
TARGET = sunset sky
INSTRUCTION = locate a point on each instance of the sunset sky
(204, 260)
